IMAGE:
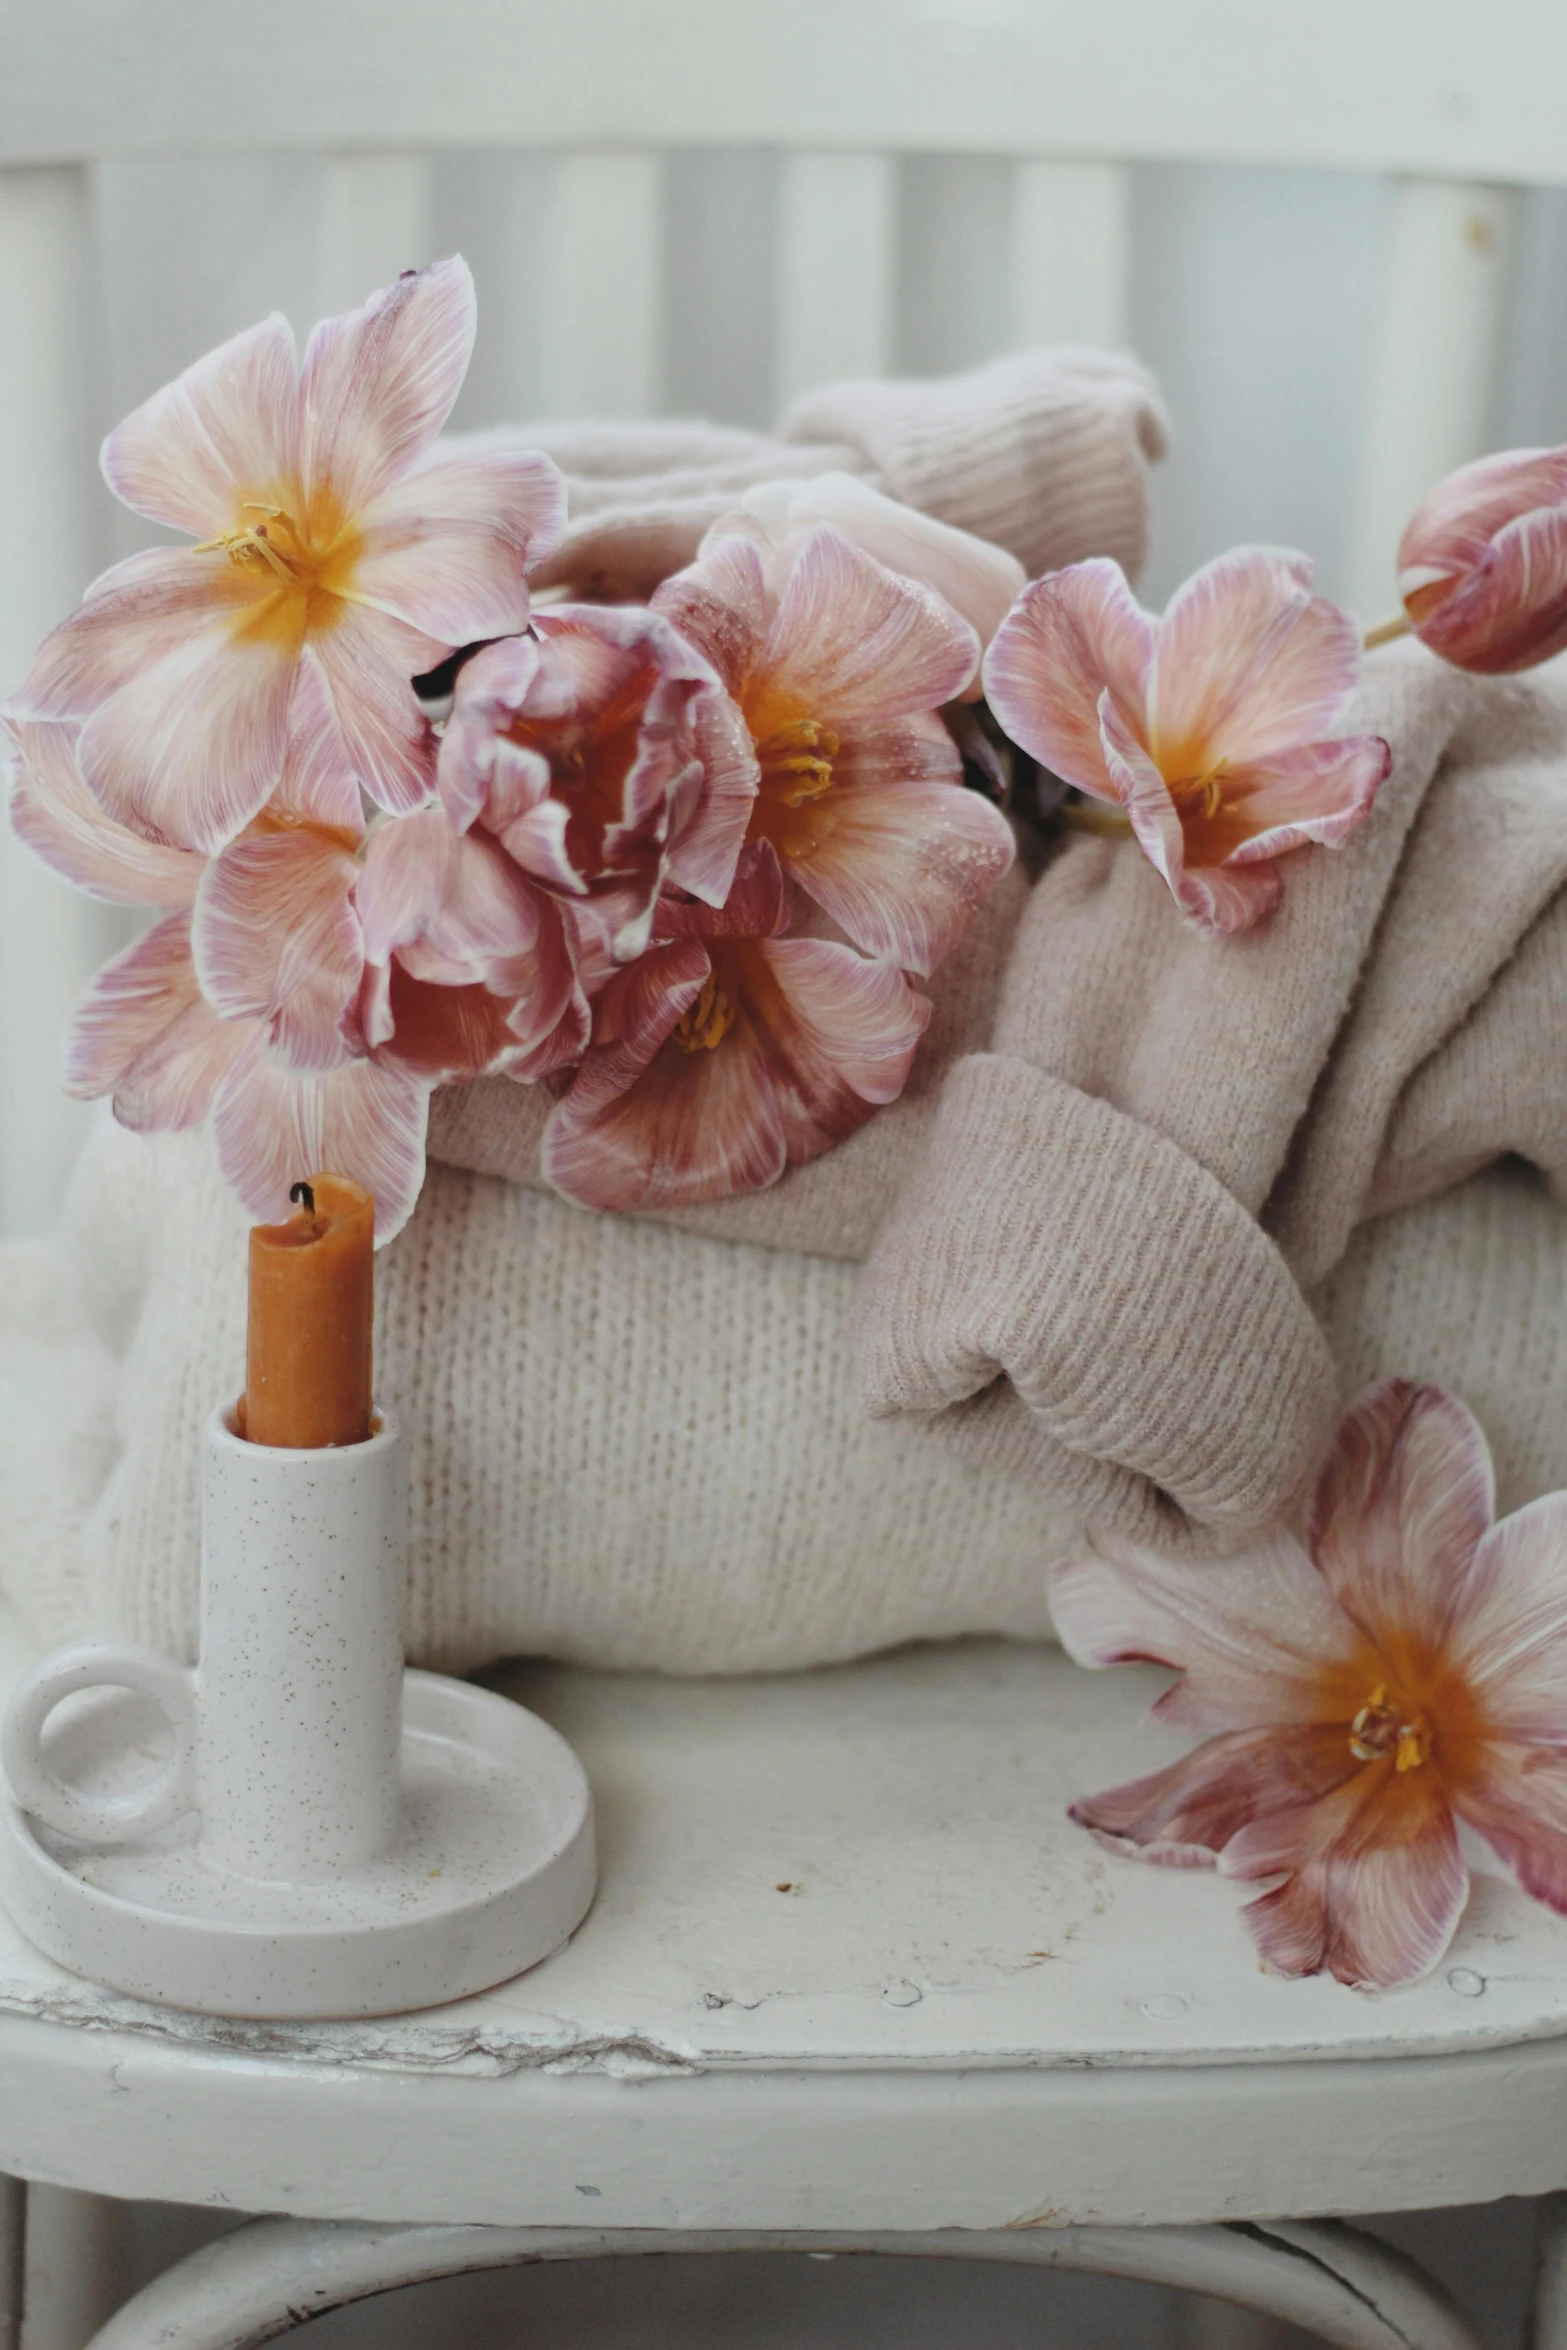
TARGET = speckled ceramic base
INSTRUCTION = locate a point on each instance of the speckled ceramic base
(493, 1868)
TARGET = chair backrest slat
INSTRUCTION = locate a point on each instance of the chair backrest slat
(375, 217)
(604, 309)
(1071, 253)
(836, 264)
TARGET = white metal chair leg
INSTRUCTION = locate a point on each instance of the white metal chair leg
(275, 2274)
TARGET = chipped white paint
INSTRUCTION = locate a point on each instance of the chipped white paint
(341, 1860)
(729, 2040)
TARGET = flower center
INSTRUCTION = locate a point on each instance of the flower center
(1201, 796)
(796, 761)
(272, 544)
(1384, 1727)
(708, 1021)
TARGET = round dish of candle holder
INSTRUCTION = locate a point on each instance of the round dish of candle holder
(493, 1868)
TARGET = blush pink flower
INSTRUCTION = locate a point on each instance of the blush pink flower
(602, 752)
(332, 544)
(1407, 1670)
(728, 1052)
(839, 667)
(1212, 728)
(1483, 564)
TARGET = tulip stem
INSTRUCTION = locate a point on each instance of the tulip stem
(1083, 816)
(1385, 631)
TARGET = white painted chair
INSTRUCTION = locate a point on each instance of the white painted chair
(851, 1983)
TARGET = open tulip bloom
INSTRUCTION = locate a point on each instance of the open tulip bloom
(1404, 1671)
(1213, 729)
(592, 877)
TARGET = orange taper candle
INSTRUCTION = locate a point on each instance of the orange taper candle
(312, 1298)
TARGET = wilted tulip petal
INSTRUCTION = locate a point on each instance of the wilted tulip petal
(1483, 563)
(1408, 1673)
(1212, 728)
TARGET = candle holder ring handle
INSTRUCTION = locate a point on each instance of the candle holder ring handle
(100, 1819)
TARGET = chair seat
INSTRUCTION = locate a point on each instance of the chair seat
(849, 1964)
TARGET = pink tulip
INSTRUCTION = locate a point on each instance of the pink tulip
(839, 667)
(1404, 1672)
(1483, 564)
(728, 1052)
(602, 752)
(333, 546)
(1212, 728)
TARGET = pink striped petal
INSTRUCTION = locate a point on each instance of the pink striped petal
(1450, 530)
(379, 383)
(143, 1033)
(365, 1121)
(850, 642)
(704, 856)
(448, 548)
(1248, 660)
(225, 430)
(57, 817)
(840, 1039)
(1320, 792)
(191, 750)
(902, 860)
(317, 784)
(132, 617)
(276, 939)
(1220, 899)
(1254, 1637)
(1509, 610)
(368, 662)
(1374, 1883)
(1508, 1635)
(719, 603)
(1515, 1796)
(408, 872)
(1071, 638)
(1185, 1815)
(1400, 1508)
(479, 767)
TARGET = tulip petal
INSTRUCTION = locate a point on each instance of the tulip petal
(448, 548)
(225, 430)
(1399, 1510)
(57, 817)
(445, 1033)
(1248, 661)
(1258, 1638)
(1509, 1625)
(365, 1121)
(133, 616)
(1450, 530)
(1515, 1795)
(1374, 1883)
(899, 853)
(1509, 611)
(368, 661)
(1071, 638)
(719, 604)
(1185, 1815)
(1220, 899)
(703, 858)
(379, 382)
(648, 1125)
(1320, 792)
(276, 939)
(839, 1038)
(409, 870)
(143, 1033)
(850, 641)
(317, 785)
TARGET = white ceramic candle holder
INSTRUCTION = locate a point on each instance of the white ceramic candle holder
(319, 1833)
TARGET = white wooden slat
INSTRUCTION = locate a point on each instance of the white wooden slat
(1424, 86)
(836, 260)
(375, 220)
(50, 938)
(1071, 241)
(1447, 274)
(604, 307)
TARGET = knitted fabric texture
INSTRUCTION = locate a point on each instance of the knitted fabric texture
(1094, 1276)
(631, 1445)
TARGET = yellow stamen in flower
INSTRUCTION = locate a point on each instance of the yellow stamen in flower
(796, 761)
(253, 542)
(708, 1021)
(1377, 1732)
(1201, 796)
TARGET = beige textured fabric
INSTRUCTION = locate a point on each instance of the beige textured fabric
(1046, 453)
(1075, 1282)
(632, 1446)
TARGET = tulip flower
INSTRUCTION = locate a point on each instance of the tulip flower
(839, 667)
(1404, 1671)
(1213, 728)
(332, 546)
(601, 751)
(1483, 564)
(728, 1052)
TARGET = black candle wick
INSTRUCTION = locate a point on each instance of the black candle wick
(301, 1195)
